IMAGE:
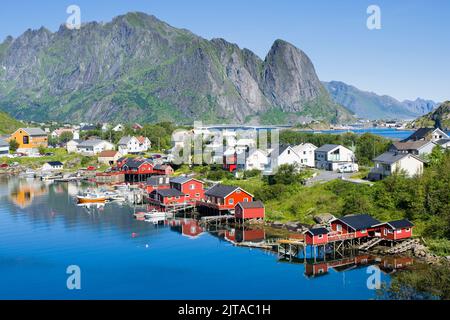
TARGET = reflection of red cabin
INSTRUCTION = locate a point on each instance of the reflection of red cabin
(250, 235)
(396, 230)
(191, 188)
(249, 210)
(222, 197)
(191, 228)
(357, 226)
(316, 269)
(316, 236)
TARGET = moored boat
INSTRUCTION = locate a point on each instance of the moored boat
(91, 197)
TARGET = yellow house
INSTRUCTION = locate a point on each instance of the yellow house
(30, 138)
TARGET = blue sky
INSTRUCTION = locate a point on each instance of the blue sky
(407, 58)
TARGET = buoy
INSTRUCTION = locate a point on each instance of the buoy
(134, 235)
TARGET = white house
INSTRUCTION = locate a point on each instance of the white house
(94, 147)
(429, 134)
(306, 153)
(129, 144)
(332, 156)
(72, 146)
(4, 147)
(418, 148)
(118, 128)
(389, 162)
(53, 166)
(58, 132)
(443, 143)
(257, 160)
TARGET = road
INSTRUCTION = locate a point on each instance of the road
(325, 176)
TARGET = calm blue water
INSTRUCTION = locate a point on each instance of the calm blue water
(42, 232)
(384, 132)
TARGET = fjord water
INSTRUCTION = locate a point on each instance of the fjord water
(42, 232)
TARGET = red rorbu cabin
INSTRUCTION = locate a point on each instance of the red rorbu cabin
(396, 230)
(354, 226)
(167, 197)
(137, 170)
(163, 169)
(224, 198)
(316, 236)
(157, 183)
(249, 210)
(191, 188)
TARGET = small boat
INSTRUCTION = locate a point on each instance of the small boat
(155, 214)
(29, 173)
(91, 197)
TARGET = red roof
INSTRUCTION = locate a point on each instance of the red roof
(107, 154)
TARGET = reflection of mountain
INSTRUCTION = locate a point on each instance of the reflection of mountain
(25, 192)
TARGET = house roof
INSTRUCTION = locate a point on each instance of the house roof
(398, 224)
(358, 221)
(317, 231)
(107, 154)
(34, 131)
(441, 142)
(303, 146)
(141, 139)
(410, 145)
(393, 157)
(154, 180)
(90, 143)
(221, 191)
(88, 128)
(125, 140)
(327, 147)
(161, 166)
(420, 134)
(180, 180)
(169, 193)
(251, 204)
(135, 163)
(55, 163)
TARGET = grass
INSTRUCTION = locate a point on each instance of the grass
(8, 124)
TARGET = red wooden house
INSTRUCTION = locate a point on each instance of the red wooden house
(167, 197)
(316, 236)
(223, 198)
(354, 226)
(249, 210)
(396, 230)
(137, 170)
(191, 188)
(157, 183)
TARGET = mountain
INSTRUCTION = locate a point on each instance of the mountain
(372, 106)
(138, 68)
(439, 117)
(8, 124)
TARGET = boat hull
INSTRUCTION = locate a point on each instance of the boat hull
(91, 200)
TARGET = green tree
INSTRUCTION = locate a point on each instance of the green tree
(13, 145)
(65, 137)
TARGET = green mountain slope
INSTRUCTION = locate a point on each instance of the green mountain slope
(8, 124)
(439, 117)
(138, 68)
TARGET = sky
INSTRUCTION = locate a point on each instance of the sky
(407, 58)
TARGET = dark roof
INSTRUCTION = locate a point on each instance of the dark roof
(161, 166)
(55, 163)
(155, 180)
(220, 190)
(327, 147)
(390, 157)
(398, 224)
(88, 128)
(169, 193)
(410, 145)
(180, 180)
(318, 231)
(359, 221)
(419, 134)
(135, 164)
(251, 204)
(442, 141)
(34, 131)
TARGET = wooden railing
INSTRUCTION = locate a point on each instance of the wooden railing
(340, 236)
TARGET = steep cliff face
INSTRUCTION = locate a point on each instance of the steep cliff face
(438, 118)
(137, 67)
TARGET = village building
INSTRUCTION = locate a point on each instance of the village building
(118, 128)
(356, 226)
(388, 163)
(167, 197)
(331, 157)
(316, 236)
(137, 127)
(93, 147)
(56, 134)
(133, 145)
(222, 198)
(157, 183)
(72, 146)
(4, 147)
(443, 143)
(418, 148)
(396, 230)
(30, 139)
(249, 210)
(109, 157)
(53, 166)
(137, 170)
(191, 188)
(427, 134)
(306, 152)
(163, 169)
(257, 160)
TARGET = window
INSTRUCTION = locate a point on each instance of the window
(245, 199)
(192, 186)
(320, 236)
(364, 231)
(231, 201)
(338, 228)
(197, 194)
(399, 231)
(238, 191)
(407, 229)
(385, 232)
(26, 139)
